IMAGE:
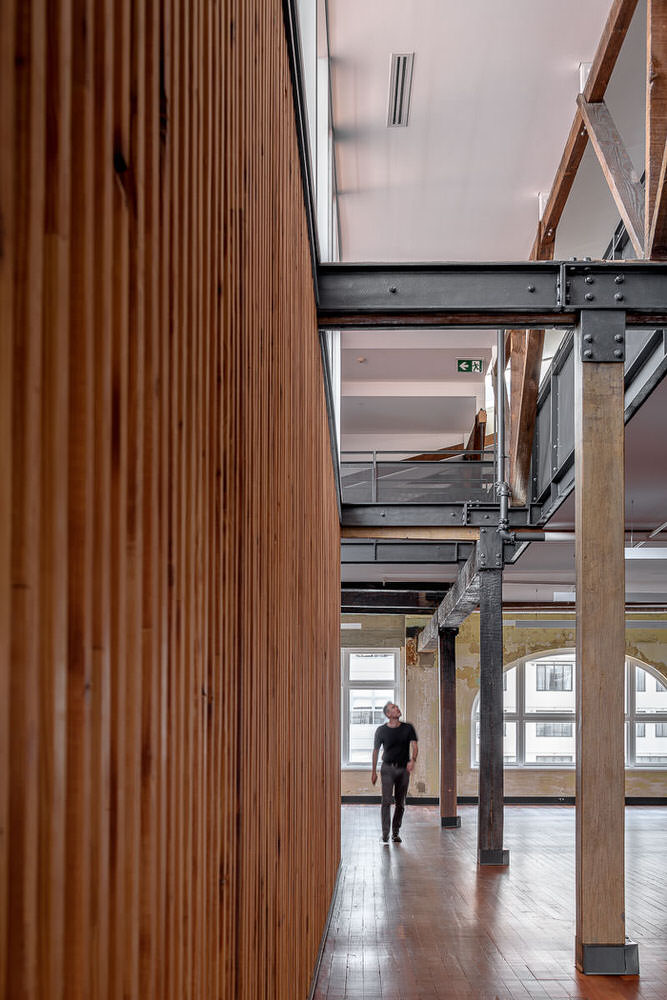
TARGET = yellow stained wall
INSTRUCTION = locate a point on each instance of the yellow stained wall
(418, 698)
(420, 693)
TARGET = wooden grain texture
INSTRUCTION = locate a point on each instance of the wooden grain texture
(656, 240)
(656, 130)
(7, 181)
(525, 364)
(169, 540)
(617, 168)
(600, 608)
(418, 921)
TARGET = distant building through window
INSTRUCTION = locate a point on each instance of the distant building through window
(539, 713)
(369, 681)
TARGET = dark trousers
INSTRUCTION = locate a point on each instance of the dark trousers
(395, 781)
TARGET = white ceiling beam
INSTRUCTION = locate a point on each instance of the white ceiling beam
(469, 389)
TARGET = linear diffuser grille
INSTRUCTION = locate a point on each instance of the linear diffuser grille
(400, 88)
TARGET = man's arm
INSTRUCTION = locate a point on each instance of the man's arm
(374, 774)
(414, 753)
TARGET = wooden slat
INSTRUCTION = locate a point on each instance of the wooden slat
(617, 168)
(28, 141)
(164, 422)
(7, 181)
(656, 130)
(80, 507)
(54, 611)
(100, 708)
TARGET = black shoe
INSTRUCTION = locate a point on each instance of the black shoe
(385, 838)
(396, 839)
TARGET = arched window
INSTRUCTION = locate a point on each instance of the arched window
(539, 717)
(646, 717)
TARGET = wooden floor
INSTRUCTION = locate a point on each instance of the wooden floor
(419, 920)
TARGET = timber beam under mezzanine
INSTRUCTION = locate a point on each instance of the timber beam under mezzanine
(530, 294)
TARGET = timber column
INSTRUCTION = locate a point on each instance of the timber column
(491, 788)
(448, 804)
(601, 947)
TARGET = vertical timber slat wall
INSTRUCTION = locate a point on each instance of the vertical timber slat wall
(169, 579)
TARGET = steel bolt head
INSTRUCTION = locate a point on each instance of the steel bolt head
(619, 297)
(531, 288)
(589, 280)
(589, 296)
(619, 279)
(392, 289)
(618, 337)
(588, 354)
(588, 337)
(618, 353)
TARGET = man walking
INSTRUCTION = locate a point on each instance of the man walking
(399, 740)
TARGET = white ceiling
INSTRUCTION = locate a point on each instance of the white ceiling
(494, 90)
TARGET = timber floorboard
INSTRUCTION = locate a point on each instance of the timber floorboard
(421, 920)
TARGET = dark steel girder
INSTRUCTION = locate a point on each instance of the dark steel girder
(408, 601)
(527, 294)
(433, 515)
(376, 551)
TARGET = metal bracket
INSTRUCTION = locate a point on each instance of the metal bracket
(602, 336)
(610, 959)
(490, 549)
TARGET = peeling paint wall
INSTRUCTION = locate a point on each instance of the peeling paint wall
(420, 699)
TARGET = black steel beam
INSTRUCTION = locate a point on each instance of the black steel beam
(377, 515)
(376, 551)
(490, 817)
(527, 294)
(375, 601)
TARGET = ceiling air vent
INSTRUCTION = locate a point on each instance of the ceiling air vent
(400, 88)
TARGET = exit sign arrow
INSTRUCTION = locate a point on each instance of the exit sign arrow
(474, 365)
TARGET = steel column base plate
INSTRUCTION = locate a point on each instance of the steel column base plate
(608, 959)
(493, 857)
(450, 822)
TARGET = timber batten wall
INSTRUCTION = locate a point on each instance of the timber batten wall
(169, 564)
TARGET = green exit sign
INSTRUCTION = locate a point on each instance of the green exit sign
(474, 365)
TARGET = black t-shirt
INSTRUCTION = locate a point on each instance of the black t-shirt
(396, 742)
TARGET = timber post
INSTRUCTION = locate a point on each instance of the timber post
(601, 946)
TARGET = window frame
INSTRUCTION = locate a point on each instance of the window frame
(632, 717)
(347, 685)
(520, 717)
